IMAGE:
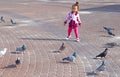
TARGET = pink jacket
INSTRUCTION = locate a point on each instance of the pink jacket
(73, 19)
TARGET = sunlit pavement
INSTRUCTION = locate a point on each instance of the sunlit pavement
(40, 27)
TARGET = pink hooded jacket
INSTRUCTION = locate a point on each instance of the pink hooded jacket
(73, 19)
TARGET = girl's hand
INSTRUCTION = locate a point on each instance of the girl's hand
(79, 24)
(65, 22)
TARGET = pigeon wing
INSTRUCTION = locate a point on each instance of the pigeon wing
(70, 58)
(100, 55)
(101, 68)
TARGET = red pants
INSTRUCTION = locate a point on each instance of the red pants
(75, 31)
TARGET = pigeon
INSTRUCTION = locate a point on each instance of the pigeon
(71, 58)
(21, 49)
(3, 52)
(108, 28)
(101, 68)
(103, 54)
(17, 62)
(112, 44)
(13, 22)
(110, 33)
(2, 19)
(62, 47)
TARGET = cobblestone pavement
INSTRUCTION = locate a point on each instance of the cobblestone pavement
(40, 27)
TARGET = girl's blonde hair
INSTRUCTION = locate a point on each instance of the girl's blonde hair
(76, 4)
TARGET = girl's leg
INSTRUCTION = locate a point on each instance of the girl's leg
(76, 32)
(69, 31)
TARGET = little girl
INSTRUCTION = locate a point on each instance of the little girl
(74, 21)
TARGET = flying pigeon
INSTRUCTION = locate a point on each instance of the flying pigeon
(101, 68)
(21, 49)
(71, 58)
(110, 33)
(13, 22)
(62, 47)
(2, 19)
(17, 61)
(103, 54)
(3, 52)
(108, 28)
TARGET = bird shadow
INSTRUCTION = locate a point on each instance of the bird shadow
(9, 66)
(95, 58)
(90, 73)
(63, 62)
(15, 53)
(105, 36)
(98, 58)
(54, 52)
(10, 25)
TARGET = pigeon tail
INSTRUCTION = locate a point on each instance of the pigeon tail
(113, 34)
(110, 33)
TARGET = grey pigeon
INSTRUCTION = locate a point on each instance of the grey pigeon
(62, 47)
(112, 44)
(13, 22)
(18, 61)
(110, 33)
(108, 28)
(21, 49)
(2, 19)
(101, 68)
(103, 54)
(71, 58)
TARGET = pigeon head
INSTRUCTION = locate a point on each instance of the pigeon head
(23, 47)
(1, 17)
(106, 49)
(74, 54)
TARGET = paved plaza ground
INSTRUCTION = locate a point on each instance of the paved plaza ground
(40, 27)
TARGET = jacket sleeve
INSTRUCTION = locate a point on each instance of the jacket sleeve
(67, 18)
(78, 19)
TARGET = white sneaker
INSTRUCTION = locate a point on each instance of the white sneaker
(77, 39)
(68, 37)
